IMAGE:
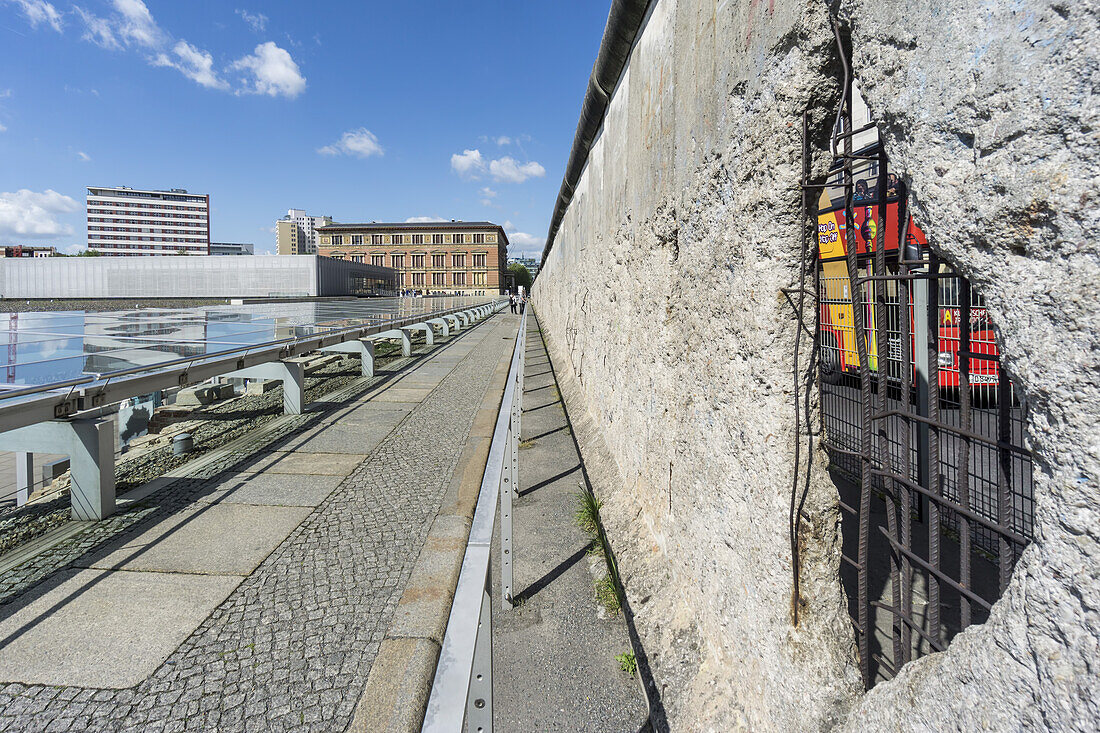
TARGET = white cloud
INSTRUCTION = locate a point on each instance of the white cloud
(5, 93)
(504, 140)
(26, 213)
(98, 30)
(488, 193)
(84, 157)
(3, 128)
(73, 249)
(38, 12)
(512, 171)
(256, 21)
(136, 25)
(194, 63)
(361, 143)
(468, 164)
(526, 241)
(268, 70)
(423, 219)
(273, 72)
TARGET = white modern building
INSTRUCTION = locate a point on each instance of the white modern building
(295, 233)
(135, 222)
(232, 248)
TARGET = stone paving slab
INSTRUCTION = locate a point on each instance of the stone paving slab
(403, 394)
(117, 627)
(312, 464)
(218, 539)
(355, 436)
(270, 488)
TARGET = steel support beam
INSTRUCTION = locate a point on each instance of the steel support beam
(405, 334)
(24, 476)
(290, 373)
(429, 334)
(363, 347)
(90, 445)
(443, 325)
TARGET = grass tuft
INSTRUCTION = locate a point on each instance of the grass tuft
(627, 662)
(588, 513)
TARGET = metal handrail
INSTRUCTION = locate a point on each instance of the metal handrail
(95, 391)
(462, 691)
(289, 341)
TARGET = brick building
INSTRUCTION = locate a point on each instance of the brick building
(455, 257)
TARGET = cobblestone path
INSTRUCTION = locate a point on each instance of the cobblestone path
(290, 649)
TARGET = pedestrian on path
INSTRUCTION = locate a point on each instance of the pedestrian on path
(522, 304)
(512, 302)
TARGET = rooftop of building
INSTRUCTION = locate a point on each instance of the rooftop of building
(420, 226)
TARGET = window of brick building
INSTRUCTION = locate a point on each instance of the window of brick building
(378, 260)
(437, 239)
(439, 260)
(376, 239)
(479, 239)
(479, 260)
(438, 278)
(397, 261)
(418, 260)
(459, 278)
(458, 260)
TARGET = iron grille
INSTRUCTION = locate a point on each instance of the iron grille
(924, 430)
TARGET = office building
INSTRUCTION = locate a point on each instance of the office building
(455, 257)
(296, 233)
(232, 248)
(25, 250)
(134, 222)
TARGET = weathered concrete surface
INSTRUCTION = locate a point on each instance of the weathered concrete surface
(992, 110)
(661, 300)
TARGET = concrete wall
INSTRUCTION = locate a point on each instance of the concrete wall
(661, 301)
(180, 277)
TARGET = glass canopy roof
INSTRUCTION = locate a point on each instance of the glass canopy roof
(44, 348)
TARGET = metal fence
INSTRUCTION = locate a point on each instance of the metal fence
(462, 691)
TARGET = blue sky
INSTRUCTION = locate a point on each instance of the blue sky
(360, 110)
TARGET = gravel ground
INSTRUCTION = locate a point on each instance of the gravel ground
(223, 423)
(8, 305)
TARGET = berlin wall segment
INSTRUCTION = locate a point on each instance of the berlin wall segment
(661, 303)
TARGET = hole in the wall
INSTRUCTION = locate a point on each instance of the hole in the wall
(937, 492)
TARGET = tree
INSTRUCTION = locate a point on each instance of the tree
(523, 277)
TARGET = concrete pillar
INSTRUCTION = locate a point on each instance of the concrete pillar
(90, 445)
(454, 320)
(362, 347)
(290, 373)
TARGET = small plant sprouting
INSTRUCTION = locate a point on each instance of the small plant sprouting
(627, 662)
(588, 513)
(525, 444)
(607, 595)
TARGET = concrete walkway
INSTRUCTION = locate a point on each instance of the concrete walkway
(254, 590)
(554, 656)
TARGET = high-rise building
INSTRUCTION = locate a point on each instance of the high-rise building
(456, 257)
(296, 233)
(131, 222)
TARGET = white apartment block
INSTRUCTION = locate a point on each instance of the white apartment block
(133, 222)
(295, 233)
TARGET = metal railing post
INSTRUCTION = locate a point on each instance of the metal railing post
(507, 481)
(479, 704)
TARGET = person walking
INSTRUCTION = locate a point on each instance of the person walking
(512, 302)
(522, 304)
